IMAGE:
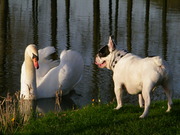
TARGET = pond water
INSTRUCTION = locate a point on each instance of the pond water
(143, 27)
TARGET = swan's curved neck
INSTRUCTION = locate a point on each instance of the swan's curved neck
(29, 68)
(28, 73)
(30, 76)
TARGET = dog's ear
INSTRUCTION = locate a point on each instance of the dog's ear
(111, 44)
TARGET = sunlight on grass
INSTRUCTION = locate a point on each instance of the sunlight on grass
(96, 118)
(102, 119)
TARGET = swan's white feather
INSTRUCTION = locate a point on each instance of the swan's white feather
(71, 70)
(45, 62)
(64, 76)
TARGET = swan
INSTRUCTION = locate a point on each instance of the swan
(41, 76)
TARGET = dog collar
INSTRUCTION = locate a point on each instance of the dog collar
(117, 56)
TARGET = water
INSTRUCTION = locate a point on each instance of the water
(143, 27)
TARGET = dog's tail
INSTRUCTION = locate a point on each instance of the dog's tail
(163, 66)
(158, 61)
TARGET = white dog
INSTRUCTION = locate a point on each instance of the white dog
(135, 74)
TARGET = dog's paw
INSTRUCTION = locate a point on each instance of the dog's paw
(142, 116)
(117, 108)
(168, 110)
(141, 106)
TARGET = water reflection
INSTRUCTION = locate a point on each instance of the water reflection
(35, 21)
(144, 27)
(4, 18)
(164, 31)
(172, 5)
(50, 105)
(68, 23)
(129, 27)
(116, 20)
(146, 43)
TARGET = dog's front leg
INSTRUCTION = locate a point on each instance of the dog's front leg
(118, 92)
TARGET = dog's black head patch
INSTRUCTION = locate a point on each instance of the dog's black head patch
(104, 51)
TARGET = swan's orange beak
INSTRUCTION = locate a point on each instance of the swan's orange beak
(36, 64)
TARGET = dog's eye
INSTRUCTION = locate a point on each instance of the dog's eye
(104, 51)
(100, 54)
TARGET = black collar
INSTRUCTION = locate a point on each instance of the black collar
(117, 56)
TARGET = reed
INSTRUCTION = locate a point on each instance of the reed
(9, 113)
(15, 112)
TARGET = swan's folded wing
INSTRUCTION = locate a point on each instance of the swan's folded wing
(71, 70)
(45, 61)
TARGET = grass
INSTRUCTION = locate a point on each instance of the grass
(102, 119)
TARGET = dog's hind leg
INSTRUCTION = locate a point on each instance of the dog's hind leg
(141, 101)
(167, 86)
(147, 100)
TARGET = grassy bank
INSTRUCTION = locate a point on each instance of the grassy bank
(102, 119)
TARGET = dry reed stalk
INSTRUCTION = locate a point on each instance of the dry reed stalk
(58, 100)
(10, 118)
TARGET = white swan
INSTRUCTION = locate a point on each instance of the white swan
(51, 75)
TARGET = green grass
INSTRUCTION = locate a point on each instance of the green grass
(102, 119)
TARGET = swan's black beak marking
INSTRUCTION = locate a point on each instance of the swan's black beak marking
(35, 61)
(35, 56)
